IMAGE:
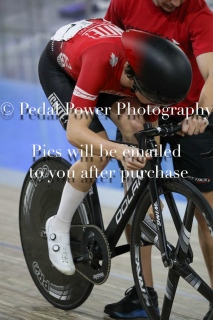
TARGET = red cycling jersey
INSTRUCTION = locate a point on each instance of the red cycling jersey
(190, 26)
(91, 53)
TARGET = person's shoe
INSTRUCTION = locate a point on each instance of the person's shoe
(209, 312)
(130, 307)
(59, 249)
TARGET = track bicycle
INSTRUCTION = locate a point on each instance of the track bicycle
(93, 245)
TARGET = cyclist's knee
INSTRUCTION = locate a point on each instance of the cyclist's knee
(128, 131)
(129, 119)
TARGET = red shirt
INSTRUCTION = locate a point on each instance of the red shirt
(190, 26)
(91, 53)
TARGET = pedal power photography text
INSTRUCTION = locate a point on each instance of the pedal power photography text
(51, 112)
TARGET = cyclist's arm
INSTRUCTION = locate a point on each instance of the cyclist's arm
(80, 136)
(205, 64)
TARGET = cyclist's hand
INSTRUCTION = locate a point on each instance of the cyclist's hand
(194, 125)
(131, 158)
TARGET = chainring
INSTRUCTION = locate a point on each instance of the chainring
(94, 261)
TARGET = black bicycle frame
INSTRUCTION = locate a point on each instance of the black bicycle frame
(129, 203)
(125, 210)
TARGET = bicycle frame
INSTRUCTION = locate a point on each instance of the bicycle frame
(127, 206)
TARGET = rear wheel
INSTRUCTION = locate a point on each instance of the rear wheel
(181, 250)
(40, 198)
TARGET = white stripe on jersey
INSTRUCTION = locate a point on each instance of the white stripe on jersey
(83, 94)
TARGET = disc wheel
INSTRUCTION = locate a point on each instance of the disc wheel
(40, 198)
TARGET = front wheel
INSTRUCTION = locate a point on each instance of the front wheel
(179, 199)
(40, 198)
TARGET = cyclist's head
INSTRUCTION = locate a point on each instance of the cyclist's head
(161, 71)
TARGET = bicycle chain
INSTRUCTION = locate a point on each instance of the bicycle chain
(107, 247)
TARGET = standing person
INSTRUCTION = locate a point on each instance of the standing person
(188, 24)
(83, 63)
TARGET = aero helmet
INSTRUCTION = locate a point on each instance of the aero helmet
(163, 72)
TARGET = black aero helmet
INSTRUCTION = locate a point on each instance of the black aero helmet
(163, 72)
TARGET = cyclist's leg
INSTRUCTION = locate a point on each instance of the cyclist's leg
(83, 173)
(58, 87)
(147, 261)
